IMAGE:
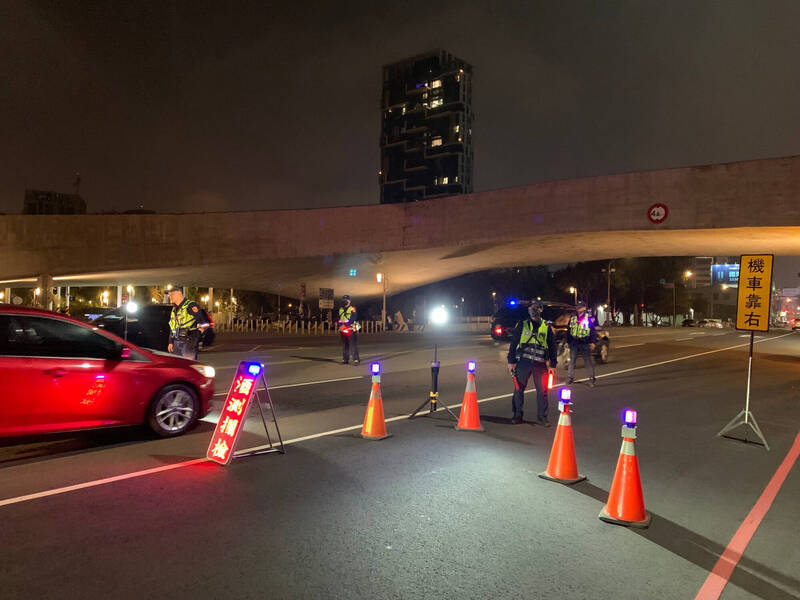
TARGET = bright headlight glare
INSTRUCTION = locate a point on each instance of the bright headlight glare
(205, 370)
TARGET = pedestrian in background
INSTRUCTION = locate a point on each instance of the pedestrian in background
(532, 352)
(581, 338)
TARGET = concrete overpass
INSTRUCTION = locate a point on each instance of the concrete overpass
(726, 209)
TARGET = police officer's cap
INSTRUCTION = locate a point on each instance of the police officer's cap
(536, 304)
(581, 304)
(345, 297)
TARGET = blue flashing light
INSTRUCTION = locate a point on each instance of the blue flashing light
(471, 366)
(254, 369)
(566, 394)
(512, 301)
(629, 416)
(353, 272)
(375, 368)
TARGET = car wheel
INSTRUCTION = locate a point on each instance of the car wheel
(602, 353)
(173, 410)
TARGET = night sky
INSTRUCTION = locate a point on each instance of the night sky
(254, 105)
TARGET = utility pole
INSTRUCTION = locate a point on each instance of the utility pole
(608, 271)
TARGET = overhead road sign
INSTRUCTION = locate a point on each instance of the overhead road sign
(325, 298)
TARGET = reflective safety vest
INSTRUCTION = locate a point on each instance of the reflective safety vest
(180, 319)
(579, 329)
(346, 316)
(533, 343)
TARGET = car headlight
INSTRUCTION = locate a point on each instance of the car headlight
(205, 370)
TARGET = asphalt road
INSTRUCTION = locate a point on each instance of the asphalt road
(430, 512)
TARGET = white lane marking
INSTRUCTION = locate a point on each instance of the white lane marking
(698, 333)
(682, 339)
(254, 348)
(291, 385)
(629, 345)
(268, 363)
(178, 465)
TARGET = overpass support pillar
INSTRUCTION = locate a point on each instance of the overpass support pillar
(119, 296)
(67, 290)
(211, 299)
(7, 295)
(45, 298)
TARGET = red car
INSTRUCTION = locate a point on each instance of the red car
(58, 374)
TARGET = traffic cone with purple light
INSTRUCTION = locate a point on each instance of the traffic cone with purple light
(563, 466)
(625, 504)
(469, 419)
(374, 427)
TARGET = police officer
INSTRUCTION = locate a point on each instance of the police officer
(187, 321)
(348, 330)
(581, 338)
(532, 351)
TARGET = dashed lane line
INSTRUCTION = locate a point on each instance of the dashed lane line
(291, 385)
(178, 465)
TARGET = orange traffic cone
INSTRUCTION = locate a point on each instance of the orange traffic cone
(625, 504)
(470, 419)
(562, 466)
(374, 427)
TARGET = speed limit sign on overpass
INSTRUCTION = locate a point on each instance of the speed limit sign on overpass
(658, 213)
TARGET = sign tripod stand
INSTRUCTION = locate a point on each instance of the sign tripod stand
(752, 314)
(433, 397)
(745, 417)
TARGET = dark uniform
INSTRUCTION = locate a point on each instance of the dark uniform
(532, 345)
(581, 334)
(185, 321)
(348, 331)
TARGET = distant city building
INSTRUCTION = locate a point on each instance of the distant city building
(426, 134)
(39, 202)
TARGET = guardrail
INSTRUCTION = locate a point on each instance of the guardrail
(292, 327)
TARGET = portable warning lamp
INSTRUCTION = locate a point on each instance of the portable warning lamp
(566, 395)
(629, 417)
(375, 368)
(254, 369)
(471, 366)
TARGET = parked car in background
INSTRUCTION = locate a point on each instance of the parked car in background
(58, 374)
(714, 323)
(148, 326)
(689, 323)
(557, 314)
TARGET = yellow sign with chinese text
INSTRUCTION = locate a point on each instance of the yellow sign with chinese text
(755, 292)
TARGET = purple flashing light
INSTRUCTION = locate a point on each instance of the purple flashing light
(566, 394)
(471, 366)
(375, 368)
(629, 416)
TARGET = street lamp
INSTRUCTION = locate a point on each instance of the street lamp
(381, 278)
(574, 291)
(609, 271)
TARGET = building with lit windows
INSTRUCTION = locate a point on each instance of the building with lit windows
(426, 134)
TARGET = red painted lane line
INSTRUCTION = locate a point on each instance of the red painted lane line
(722, 571)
